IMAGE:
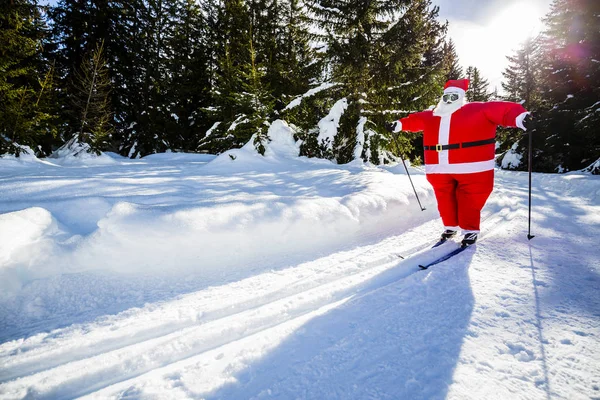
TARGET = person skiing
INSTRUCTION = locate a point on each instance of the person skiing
(459, 143)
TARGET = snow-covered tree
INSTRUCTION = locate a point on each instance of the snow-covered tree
(570, 117)
(384, 56)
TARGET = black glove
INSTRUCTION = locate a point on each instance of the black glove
(391, 126)
(528, 121)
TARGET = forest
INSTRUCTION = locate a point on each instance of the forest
(140, 77)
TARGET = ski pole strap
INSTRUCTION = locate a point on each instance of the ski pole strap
(440, 147)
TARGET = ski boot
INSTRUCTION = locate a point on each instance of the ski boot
(469, 239)
(448, 234)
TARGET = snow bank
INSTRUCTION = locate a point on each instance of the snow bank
(281, 141)
(281, 146)
(187, 157)
(25, 238)
(77, 153)
(26, 158)
(176, 214)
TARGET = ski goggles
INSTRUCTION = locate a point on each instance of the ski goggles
(450, 98)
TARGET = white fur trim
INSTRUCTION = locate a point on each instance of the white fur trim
(462, 168)
(519, 121)
(443, 138)
(465, 231)
(453, 89)
(451, 228)
(398, 127)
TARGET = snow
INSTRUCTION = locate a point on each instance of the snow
(512, 158)
(194, 276)
(329, 124)
(297, 101)
(212, 128)
(360, 138)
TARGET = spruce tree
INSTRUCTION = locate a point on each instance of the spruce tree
(242, 96)
(77, 29)
(452, 66)
(521, 84)
(570, 117)
(383, 57)
(26, 79)
(144, 114)
(521, 77)
(90, 100)
(189, 88)
(478, 86)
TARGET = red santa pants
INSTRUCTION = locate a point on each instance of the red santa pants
(461, 197)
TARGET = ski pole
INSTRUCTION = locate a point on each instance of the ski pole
(408, 174)
(530, 162)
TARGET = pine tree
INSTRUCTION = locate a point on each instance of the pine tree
(242, 96)
(381, 54)
(521, 84)
(144, 111)
(26, 79)
(478, 87)
(570, 117)
(521, 77)
(78, 27)
(189, 88)
(127, 58)
(451, 63)
(90, 99)
(281, 43)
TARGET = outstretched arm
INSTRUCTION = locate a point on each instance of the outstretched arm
(506, 113)
(412, 123)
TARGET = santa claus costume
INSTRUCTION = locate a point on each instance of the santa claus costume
(459, 143)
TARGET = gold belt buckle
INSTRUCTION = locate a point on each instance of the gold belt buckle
(438, 147)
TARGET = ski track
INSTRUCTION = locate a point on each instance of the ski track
(93, 356)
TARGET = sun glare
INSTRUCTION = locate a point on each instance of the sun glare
(486, 45)
(515, 23)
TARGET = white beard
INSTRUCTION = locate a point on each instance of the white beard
(444, 109)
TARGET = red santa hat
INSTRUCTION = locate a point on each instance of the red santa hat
(458, 85)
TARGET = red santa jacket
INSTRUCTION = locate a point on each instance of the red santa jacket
(464, 141)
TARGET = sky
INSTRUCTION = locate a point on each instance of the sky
(486, 31)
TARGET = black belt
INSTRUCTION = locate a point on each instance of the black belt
(440, 147)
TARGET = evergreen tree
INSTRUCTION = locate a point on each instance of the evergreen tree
(78, 28)
(522, 85)
(144, 112)
(382, 54)
(26, 79)
(521, 77)
(127, 58)
(90, 100)
(281, 42)
(452, 66)
(478, 86)
(242, 96)
(570, 117)
(189, 89)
